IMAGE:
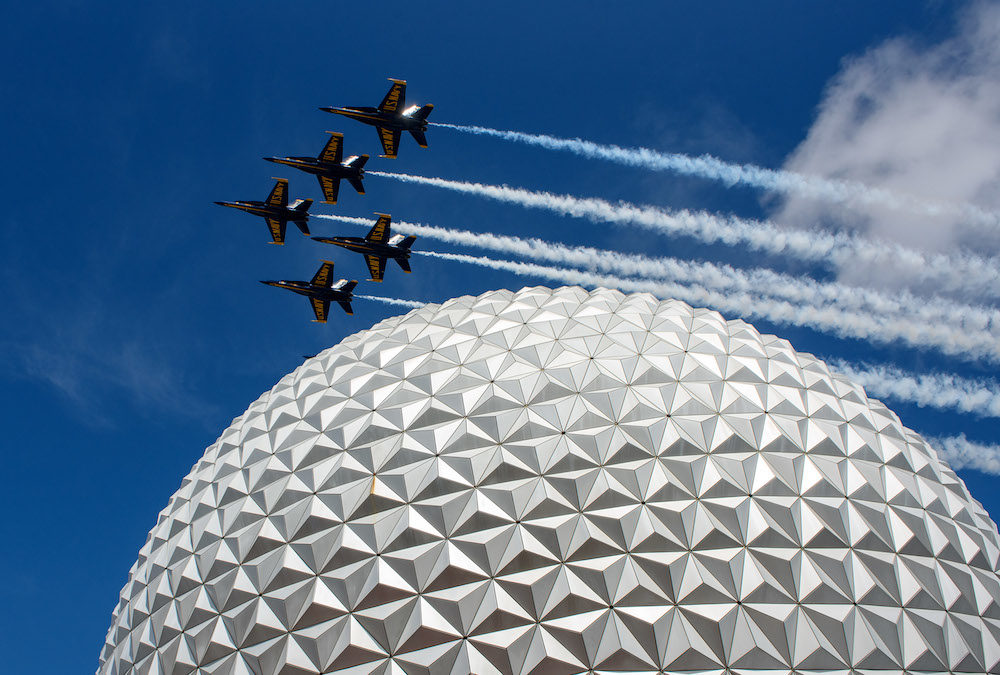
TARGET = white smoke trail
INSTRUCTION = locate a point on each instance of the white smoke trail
(713, 168)
(961, 453)
(938, 390)
(392, 301)
(970, 275)
(763, 282)
(848, 324)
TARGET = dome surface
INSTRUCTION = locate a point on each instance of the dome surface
(564, 481)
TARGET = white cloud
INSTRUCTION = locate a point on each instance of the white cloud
(923, 121)
(961, 453)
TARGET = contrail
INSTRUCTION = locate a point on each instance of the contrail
(392, 301)
(873, 327)
(971, 275)
(713, 168)
(961, 453)
(762, 282)
(938, 390)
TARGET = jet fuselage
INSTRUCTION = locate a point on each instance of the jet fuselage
(311, 290)
(377, 118)
(362, 245)
(268, 210)
(315, 166)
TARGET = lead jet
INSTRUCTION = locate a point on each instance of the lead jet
(377, 247)
(276, 211)
(330, 166)
(321, 291)
(390, 119)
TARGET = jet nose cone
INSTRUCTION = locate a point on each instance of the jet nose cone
(326, 109)
(269, 283)
(222, 203)
(271, 159)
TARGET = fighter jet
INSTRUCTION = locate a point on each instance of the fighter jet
(321, 290)
(276, 211)
(390, 119)
(377, 246)
(329, 168)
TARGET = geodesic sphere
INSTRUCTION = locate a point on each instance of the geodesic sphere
(564, 481)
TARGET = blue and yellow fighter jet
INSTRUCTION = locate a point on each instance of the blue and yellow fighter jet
(377, 247)
(277, 212)
(321, 291)
(390, 119)
(329, 167)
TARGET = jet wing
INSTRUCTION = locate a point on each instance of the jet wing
(333, 151)
(324, 275)
(277, 228)
(376, 266)
(381, 231)
(279, 194)
(390, 141)
(321, 308)
(395, 98)
(330, 188)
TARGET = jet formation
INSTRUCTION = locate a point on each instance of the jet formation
(390, 119)
(377, 247)
(277, 212)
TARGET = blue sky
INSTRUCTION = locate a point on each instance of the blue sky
(134, 328)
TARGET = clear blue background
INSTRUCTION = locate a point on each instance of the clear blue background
(133, 327)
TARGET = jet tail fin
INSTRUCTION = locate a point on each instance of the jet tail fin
(424, 112)
(347, 306)
(360, 162)
(358, 185)
(303, 227)
(302, 205)
(407, 242)
(404, 263)
(348, 287)
(419, 137)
